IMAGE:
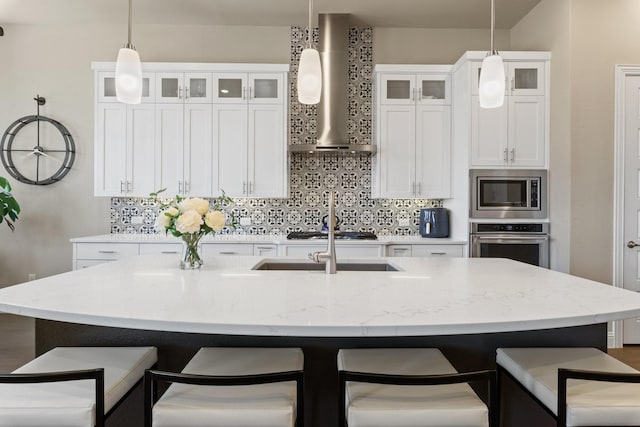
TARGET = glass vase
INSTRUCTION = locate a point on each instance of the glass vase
(191, 259)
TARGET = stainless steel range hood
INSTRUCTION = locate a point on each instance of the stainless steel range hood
(333, 110)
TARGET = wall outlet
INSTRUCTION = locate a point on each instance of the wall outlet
(404, 222)
(31, 276)
(136, 220)
(245, 221)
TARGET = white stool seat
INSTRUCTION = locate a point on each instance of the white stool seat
(588, 402)
(72, 403)
(376, 405)
(233, 406)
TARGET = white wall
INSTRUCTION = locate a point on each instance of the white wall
(547, 27)
(54, 61)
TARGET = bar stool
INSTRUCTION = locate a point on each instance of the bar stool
(602, 392)
(72, 386)
(223, 386)
(405, 387)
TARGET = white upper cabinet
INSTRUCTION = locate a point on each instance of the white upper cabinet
(255, 88)
(516, 134)
(412, 132)
(410, 89)
(200, 128)
(106, 82)
(183, 87)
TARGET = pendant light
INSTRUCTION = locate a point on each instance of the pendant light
(129, 72)
(492, 81)
(309, 71)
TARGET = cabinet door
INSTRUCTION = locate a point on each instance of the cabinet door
(141, 147)
(198, 150)
(230, 139)
(266, 88)
(198, 88)
(230, 88)
(267, 152)
(170, 87)
(526, 78)
(527, 131)
(107, 87)
(397, 89)
(488, 135)
(433, 152)
(169, 148)
(433, 89)
(110, 149)
(396, 152)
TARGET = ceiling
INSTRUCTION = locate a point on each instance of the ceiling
(375, 13)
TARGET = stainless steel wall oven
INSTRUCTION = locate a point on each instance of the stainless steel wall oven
(508, 193)
(522, 242)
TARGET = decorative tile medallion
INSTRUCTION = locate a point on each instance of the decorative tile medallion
(311, 177)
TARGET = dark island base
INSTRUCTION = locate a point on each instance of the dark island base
(466, 353)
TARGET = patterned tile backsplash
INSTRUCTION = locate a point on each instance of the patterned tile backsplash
(311, 177)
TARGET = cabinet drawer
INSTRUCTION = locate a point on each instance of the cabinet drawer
(160, 249)
(105, 251)
(213, 249)
(436, 250)
(265, 250)
(399, 250)
(345, 251)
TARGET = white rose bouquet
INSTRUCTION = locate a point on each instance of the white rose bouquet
(191, 219)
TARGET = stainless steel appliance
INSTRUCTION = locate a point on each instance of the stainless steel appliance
(508, 193)
(522, 242)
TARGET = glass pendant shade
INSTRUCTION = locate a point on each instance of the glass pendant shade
(492, 82)
(309, 77)
(128, 76)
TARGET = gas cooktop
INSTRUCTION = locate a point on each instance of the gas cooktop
(342, 235)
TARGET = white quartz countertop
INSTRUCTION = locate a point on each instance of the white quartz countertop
(431, 296)
(267, 238)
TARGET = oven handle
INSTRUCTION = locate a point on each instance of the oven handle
(478, 237)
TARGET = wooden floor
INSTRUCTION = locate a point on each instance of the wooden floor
(17, 344)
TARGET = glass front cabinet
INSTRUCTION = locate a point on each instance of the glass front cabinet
(397, 89)
(241, 88)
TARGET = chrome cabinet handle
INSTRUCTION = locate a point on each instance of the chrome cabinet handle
(107, 252)
(250, 187)
(252, 93)
(186, 92)
(169, 252)
(513, 155)
(505, 154)
(129, 186)
(413, 188)
(187, 187)
(122, 190)
(631, 244)
(244, 187)
(226, 253)
(419, 94)
(266, 248)
(513, 84)
(179, 186)
(244, 93)
(419, 188)
(180, 92)
(438, 253)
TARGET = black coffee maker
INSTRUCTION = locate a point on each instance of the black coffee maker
(434, 222)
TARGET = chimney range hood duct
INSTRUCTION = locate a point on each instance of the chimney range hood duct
(333, 109)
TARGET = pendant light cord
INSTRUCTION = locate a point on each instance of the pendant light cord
(493, 24)
(310, 28)
(129, 45)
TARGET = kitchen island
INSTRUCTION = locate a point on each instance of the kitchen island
(467, 307)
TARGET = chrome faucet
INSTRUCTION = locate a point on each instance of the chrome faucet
(328, 256)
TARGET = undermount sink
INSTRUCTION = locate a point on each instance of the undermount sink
(303, 265)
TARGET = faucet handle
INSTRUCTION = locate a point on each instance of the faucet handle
(313, 256)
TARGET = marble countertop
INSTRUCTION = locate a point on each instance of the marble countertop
(429, 296)
(268, 238)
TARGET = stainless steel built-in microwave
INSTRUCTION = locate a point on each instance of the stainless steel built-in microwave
(508, 193)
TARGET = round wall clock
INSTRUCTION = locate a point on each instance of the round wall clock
(44, 163)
